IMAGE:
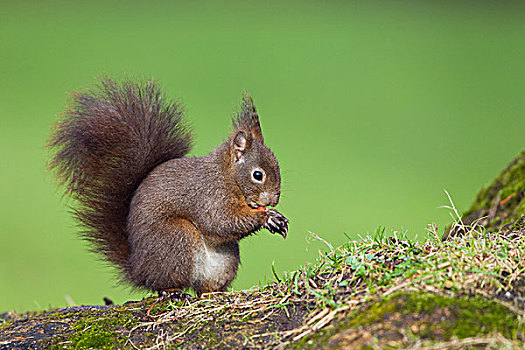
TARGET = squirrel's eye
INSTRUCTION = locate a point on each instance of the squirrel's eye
(257, 175)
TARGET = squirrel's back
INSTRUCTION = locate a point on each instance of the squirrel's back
(110, 138)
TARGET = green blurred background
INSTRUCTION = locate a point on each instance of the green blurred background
(372, 108)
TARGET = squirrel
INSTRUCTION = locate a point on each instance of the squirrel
(167, 222)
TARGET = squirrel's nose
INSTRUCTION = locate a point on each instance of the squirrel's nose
(267, 199)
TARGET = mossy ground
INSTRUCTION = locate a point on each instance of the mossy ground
(382, 291)
(83, 327)
(406, 318)
(98, 331)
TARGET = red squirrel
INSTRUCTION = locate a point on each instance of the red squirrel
(168, 222)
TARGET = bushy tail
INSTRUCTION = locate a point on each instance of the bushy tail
(111, 137)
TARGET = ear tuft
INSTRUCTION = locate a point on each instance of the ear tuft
(248, 119)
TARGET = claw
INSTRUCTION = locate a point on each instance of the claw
(276, 223)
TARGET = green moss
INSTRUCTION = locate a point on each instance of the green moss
(374, 313)
(94, 338)
(427, 316)
(468, 316)
(465, 317)
(98, 331)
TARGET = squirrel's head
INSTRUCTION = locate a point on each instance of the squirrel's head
(255, 168)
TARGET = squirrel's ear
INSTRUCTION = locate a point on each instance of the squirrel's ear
(239, 144)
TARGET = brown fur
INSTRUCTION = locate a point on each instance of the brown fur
(166, 221)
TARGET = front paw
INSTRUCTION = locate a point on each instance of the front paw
(276, 222)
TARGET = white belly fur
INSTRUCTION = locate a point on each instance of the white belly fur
(211, 265)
